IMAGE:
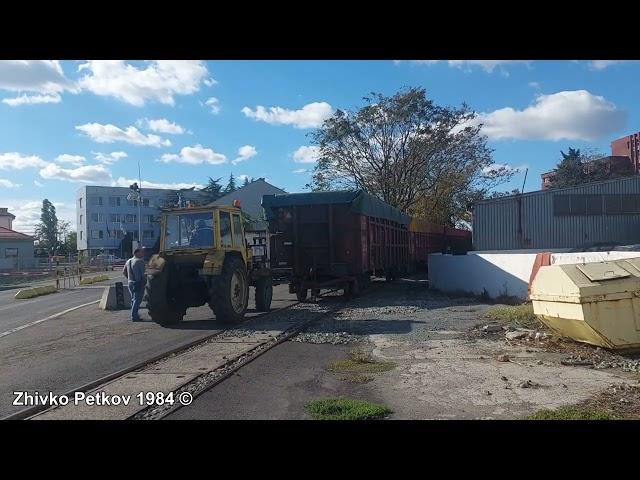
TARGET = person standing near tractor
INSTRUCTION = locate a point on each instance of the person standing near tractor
(134, 272)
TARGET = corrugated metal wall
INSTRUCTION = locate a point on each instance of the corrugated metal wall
(495, 223)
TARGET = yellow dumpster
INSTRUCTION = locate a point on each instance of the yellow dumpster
(596, 303)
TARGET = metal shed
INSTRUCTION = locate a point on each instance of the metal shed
(607, 211)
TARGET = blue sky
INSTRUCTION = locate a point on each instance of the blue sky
(71, 123)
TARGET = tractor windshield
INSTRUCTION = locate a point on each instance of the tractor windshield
(188, 230)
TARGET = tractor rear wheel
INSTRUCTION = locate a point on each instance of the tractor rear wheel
(160, 308)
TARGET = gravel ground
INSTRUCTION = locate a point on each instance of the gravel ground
(449, 366)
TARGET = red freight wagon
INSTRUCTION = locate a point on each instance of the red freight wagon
(426, 238)
(335, 240)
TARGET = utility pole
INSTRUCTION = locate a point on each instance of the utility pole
(136, 195)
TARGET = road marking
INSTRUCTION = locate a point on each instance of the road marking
(50, 317)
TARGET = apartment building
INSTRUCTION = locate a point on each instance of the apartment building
(104, 216)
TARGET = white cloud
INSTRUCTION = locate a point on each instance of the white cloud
(306, 154)
(245, 153)
(76, 160)
(570, 115)
(243, 177)
(159, 80)
(38, 184)
(162, 125)
(109, 158)
(18, 161)
(535, 85)
(37, 76)
(301, 170)
(210, 82)
(125, 182)
(28, 212)
(196, 155)
(602, 64)
(32, 99)
(84, 174)
(110, 133)
(8, 184)
(487, 65)
(214, 105)
(309, 116)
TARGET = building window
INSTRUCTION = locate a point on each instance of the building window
(596, 204)
(97, 217)
(132, 203)
(148, 219)
(131, 218)
(10, 253)
(147, 234)
(95, 234)
(577, 205)
(96, 201)
(80, 202)
(145, 202)
(80, 234)
(115, 217)
(114, 201)
(80, 219)
(134, 234)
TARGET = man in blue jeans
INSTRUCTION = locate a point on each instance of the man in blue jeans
(134, 271)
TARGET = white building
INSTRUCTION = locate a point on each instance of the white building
(104, 216)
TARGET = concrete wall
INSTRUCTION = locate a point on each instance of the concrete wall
(25, 255)
(499, 273)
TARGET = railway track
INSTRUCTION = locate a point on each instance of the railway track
(193, 368)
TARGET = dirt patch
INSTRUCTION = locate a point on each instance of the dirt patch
(617, 402)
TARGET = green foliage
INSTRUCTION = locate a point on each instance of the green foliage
(231, 186)
(520, 315)
(212, 191)
(572, 413)
(346, 409)
(47, 230)
(578, 168)
(425, 159)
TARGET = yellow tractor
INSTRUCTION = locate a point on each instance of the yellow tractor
(204, 258)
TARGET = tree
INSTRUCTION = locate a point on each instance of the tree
(246, 182)
(47, 230)
(212, 191)
(406, 150)
(71, 243)
(570, 171)
(231, 186)
(577, 168)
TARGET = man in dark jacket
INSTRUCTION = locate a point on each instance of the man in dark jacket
(134, 271)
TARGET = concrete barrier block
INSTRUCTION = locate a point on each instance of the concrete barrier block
(109, 301)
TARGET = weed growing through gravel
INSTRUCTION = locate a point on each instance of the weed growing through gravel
(520, 315)
(572, 413)
(360, 362)
(346, 409)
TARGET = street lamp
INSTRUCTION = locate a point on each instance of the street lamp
(135, 195)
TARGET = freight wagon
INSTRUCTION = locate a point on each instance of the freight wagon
(426, 238)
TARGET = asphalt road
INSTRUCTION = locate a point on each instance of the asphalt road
(15, 313)
(79, 347)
